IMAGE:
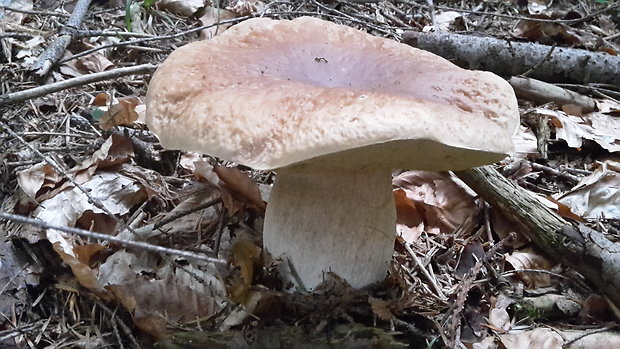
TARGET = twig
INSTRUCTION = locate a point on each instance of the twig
(155, 38)
(206, 204)
(431, 10)
(56, 50)
(570, 178)
(127, 243)
(418, 262)
(39, 91)
(34, 12)
(540, 63)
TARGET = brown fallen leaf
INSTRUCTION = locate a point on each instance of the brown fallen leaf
(121, 114)
(241, 186)
(245, 256)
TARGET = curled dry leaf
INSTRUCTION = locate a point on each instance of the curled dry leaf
(36, 178)
(241, 187)
(528, 258)
(113, 152)
(433, 202)
(116, 193)
(94, 63)
(122, 113)
(599, 127)
(595, 196)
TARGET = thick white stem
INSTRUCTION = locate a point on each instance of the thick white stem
(332, 220)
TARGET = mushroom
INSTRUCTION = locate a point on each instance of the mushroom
(332, 110)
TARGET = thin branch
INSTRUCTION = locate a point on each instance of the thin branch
(154, 38)
(40, 91)
(127, 243)
(34, 12)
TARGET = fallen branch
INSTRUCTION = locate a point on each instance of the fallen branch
(580, 248)
(40, 91)
(510, 58)
(542, 92)
(56, 50)
(123, 242)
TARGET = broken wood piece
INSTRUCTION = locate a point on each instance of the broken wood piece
(578, 247)
(510, 58)
(543, 92)
(56, 50)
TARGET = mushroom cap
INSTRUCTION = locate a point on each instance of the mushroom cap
(274, 93)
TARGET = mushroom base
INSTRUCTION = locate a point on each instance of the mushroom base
(332, 220)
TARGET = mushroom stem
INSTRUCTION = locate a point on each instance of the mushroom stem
(332, 220)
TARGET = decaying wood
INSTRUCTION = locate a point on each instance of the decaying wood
(56, 50)
(543, 92)
(579, 247)
(510, 58)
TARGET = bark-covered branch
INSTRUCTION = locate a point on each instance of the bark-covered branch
(509, 58)
(56, 50)
(581, 248)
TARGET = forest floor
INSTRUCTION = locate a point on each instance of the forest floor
(80, 156)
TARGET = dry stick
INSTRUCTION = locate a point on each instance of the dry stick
(507, 58)
(418, 262)
(34, 12)
(210, 202)
(543, 92)
(127, 243)
(56, 50)
(40, 91)
(154, 38)
(580, 248)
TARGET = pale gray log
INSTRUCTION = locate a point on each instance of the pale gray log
(509, 58)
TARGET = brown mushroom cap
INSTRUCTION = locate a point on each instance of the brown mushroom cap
(270, 94)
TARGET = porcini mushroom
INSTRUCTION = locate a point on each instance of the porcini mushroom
(333, 111)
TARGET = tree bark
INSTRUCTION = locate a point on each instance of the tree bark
(509, 58)
(579, 247)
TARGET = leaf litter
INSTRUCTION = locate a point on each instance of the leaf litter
(438, 289)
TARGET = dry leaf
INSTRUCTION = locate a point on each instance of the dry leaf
(245, 255)
(186, 8)
(547, 33)
(115, 192)
(93, 63)
(599, 127)
(215, 15)
(165, 298)
(380, 308)
(595, 196)
(528, 258)
(121, 114)
(438, 200)
(241, 186)
(37, 177)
